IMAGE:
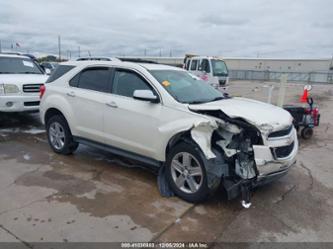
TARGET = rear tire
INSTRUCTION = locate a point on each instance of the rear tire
(186, 173)
(307, 132)
(59, 136)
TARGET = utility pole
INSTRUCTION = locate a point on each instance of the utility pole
(59, 47)
(160, 52)
(170, 55)
(79, 53)
(145, 52)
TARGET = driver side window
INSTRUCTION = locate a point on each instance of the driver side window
(125, 82)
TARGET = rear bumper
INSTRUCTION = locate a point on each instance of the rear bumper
(16, 103)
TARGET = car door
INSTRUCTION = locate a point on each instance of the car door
(89, 91)
(131, 124)
(205, 70)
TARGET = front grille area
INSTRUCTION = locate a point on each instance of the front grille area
(31, 103)
(281, 133)
(222, 82)
(284, 151)
(31, 88)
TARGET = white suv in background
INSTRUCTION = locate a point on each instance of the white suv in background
(20, 80)
(191, 133)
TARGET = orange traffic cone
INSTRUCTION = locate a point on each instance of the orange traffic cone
(304, 97)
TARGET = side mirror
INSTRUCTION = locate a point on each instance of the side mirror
(47, 71)
(145, 95)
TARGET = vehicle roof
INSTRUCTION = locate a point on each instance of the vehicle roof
(148, 66)
(14, 56)
(204, 57)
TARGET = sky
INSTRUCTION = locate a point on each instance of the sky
(230, 28)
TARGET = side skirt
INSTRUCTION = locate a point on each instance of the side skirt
(147, 161)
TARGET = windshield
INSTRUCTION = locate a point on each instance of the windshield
(219, 68)
(10, 65)
(186, 88)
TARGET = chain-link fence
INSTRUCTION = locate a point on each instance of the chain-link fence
(302, 77)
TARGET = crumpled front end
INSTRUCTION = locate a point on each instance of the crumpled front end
(252, 155)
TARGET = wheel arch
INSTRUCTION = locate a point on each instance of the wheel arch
(182, 136)
(52, 112)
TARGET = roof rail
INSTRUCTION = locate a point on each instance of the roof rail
(11, 53)
(137, 60)
(93, 59)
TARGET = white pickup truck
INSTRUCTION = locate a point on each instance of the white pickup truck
(212, 70)
(20, 80)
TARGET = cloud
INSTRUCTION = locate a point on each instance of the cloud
(269, 28)
(219, 20)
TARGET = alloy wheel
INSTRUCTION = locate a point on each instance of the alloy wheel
(186, 172)
(57, 135)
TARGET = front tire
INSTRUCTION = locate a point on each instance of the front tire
(59, 135)
(186, 172)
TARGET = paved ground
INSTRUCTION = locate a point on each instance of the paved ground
(94, 196)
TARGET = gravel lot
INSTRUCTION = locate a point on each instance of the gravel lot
(96, 197)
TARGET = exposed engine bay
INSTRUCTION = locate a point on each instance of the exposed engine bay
(234, 139)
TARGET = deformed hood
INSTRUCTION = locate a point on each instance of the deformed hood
(255, 112)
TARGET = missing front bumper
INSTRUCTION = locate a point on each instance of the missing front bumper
(236, 188)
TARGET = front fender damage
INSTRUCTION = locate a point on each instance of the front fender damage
(226, 147)
(201, 133)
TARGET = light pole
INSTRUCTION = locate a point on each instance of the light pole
(59, 47)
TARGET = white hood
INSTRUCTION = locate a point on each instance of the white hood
(255, 112)
(20, 79)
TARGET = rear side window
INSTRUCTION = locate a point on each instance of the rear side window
(58, 72)
(96, 79)
(126, 82)
(194, 65)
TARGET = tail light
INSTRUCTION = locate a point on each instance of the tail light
(315, 113)
(308, 111)
(42, 90)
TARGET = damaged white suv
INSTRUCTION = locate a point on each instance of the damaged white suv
(193, 135)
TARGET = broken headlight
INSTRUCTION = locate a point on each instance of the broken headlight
(266, 129)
